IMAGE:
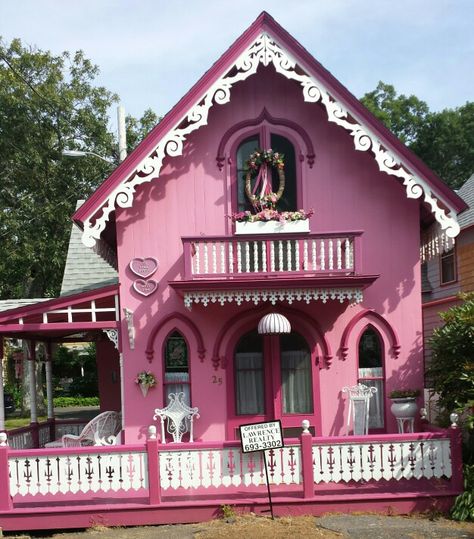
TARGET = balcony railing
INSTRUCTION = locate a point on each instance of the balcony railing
(272, 255)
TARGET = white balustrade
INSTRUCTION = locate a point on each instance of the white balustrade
(376, 461)
(229, 467)
(227, 256)
(78, 472)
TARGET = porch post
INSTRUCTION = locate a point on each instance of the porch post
(5, 498)
(154, 483)
(457, 481)
(49, 390)
(33, 404)
(2, 402)
(307, 460)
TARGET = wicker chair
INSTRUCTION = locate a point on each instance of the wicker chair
(102, 430)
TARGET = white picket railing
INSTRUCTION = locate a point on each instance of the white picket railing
(80, 472)
(241, 256)
(227, 467)
(382, 460)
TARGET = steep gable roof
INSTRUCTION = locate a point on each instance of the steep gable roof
(466, 192)
(266, 42)
(85, 269)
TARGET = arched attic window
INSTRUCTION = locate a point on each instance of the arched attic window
(371, 373)
(176, 367)
(265, 138)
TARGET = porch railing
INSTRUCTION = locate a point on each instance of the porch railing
(32, 436)
(154, 472)
(271, 255)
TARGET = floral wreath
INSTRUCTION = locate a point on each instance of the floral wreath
(257, 164)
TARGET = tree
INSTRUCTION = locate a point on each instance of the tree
(47, 103)
(446, 143)
(137, 130)
(404, 116)
(443, 140)
(451, 369)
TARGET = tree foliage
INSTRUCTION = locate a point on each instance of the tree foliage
(443, 140)
(48, 103)
(451, 370)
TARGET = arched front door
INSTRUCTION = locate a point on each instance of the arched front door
(273, 377)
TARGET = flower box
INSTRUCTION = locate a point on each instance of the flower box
(271, 227)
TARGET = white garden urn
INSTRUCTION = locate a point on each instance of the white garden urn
(404, 407)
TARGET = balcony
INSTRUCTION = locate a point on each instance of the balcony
(270, 268)
(272, 256)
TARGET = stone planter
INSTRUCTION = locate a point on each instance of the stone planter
(271, 227)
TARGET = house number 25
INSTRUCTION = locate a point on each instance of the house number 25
(216, 380)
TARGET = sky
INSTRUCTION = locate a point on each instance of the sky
(151, 52)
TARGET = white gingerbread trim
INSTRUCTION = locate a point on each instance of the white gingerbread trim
(128, 314)
(112, 334)
(290, 295)
(265, 50)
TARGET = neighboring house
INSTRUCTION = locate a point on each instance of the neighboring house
(194, 286)
(447, 274)
(451, 271)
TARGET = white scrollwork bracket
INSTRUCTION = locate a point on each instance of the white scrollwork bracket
(112, 334)
(130, 327)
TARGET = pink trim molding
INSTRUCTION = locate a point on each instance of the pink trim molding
(303, 318)
(150, 352)
(265, 116)
(395, 343)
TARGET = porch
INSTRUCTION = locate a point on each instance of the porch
(154, 483)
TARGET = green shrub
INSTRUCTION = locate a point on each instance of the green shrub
(66, 402)
(463, 508)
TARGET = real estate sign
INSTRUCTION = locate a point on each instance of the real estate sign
(261, 436)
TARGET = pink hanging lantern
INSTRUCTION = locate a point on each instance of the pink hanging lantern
(274, 324)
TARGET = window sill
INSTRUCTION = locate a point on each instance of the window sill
(271, 227)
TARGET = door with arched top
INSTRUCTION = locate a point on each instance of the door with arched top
(273, 377)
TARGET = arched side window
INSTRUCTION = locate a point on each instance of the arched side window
(278, 143)
(176, 367)
(371, 373)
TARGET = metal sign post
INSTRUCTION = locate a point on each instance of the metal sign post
(261, 437)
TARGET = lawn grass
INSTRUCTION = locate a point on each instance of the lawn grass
(16, 422)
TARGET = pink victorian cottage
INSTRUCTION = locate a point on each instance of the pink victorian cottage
(267, 190)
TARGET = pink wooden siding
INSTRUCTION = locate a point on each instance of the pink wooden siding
(193, 198)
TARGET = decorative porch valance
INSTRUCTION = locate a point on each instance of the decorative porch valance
(257, 296)
(434, 242)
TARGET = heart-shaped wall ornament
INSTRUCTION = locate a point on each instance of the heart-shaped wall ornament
(145, 288)
(144, 267)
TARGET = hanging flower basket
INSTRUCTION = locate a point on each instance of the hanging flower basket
(145, 380)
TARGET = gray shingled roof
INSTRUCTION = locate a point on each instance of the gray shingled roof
(85, 270)
(466, 192)
(7, 304)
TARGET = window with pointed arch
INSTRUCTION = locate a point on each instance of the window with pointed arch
(176, 367)
(371, 373)
(266, 139)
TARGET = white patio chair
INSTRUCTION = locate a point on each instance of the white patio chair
(102, 430)
(359, 403)
(178, 416)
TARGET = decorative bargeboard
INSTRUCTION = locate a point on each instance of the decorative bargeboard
(264, 50)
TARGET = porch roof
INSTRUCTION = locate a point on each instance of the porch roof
(60, 317)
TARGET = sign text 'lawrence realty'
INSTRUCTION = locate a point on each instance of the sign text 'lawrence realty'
(261, 436)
